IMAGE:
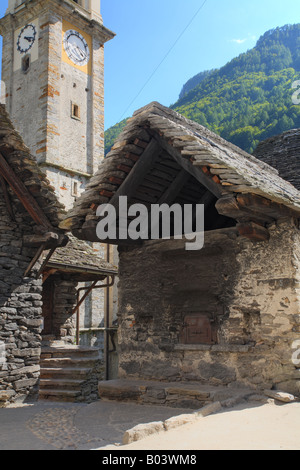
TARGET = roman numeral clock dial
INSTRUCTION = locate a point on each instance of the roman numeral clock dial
(76, 47)
(26, 38)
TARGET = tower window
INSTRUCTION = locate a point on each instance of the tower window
(74, 188)
(83, 3)
(75, 111)
(26, 61)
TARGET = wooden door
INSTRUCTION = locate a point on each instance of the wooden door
(197, 329)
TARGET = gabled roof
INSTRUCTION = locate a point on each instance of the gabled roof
(38, 195)
(21, 172)
(162, 156)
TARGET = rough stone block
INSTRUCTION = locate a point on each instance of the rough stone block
(180, 420)
(141, 431)
(280, 396)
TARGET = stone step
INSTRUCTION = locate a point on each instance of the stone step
(60, 384)
(192, 395)
(67, 373)
(57, 372)
(66, 361)
(59, 395)
(69, 351)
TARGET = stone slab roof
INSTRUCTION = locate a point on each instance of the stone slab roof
(79, 256)
(25, 167)
(283, 153)
(225, 169)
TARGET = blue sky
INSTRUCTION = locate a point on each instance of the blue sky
(160, 44)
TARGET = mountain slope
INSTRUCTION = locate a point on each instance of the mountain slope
(250, 98)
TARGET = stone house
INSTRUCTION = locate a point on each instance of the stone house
(282, 153)
(35, 255)
(224, 315)
(64, 96)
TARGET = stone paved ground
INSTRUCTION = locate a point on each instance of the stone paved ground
(58, 426)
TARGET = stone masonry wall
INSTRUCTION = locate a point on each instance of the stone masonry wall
(39, 101)
(64, 301)
(250, 291)
(20, 309)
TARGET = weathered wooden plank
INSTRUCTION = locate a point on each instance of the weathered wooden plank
(174, 189)
(164, 175)
(138, 172)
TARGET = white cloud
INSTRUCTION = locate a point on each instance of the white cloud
(242, 41)
(238, 41)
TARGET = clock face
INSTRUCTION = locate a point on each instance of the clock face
(26, 38)
(76, 47)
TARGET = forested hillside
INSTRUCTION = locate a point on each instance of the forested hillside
(250, 98)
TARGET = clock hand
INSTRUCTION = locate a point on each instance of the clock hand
(29, 39)
(80, 52)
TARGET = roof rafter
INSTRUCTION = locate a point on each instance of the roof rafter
(195, 171)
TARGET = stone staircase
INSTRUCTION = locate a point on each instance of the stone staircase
(70, 373)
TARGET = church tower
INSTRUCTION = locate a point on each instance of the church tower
(53, 86)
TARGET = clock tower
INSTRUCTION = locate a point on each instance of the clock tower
(53, 86)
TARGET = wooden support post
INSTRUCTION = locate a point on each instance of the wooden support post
(35, 259)
(44, 264)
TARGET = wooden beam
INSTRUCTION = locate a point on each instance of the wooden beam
(175, 187)
(88, 232)
(23, 194)
(7, 199)
(46, 260)
(48, 273)
(193, 170)
(35, 240)
(259, 204)
(231, 206)
(35, 259)
(207, 199)
(137, 173)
